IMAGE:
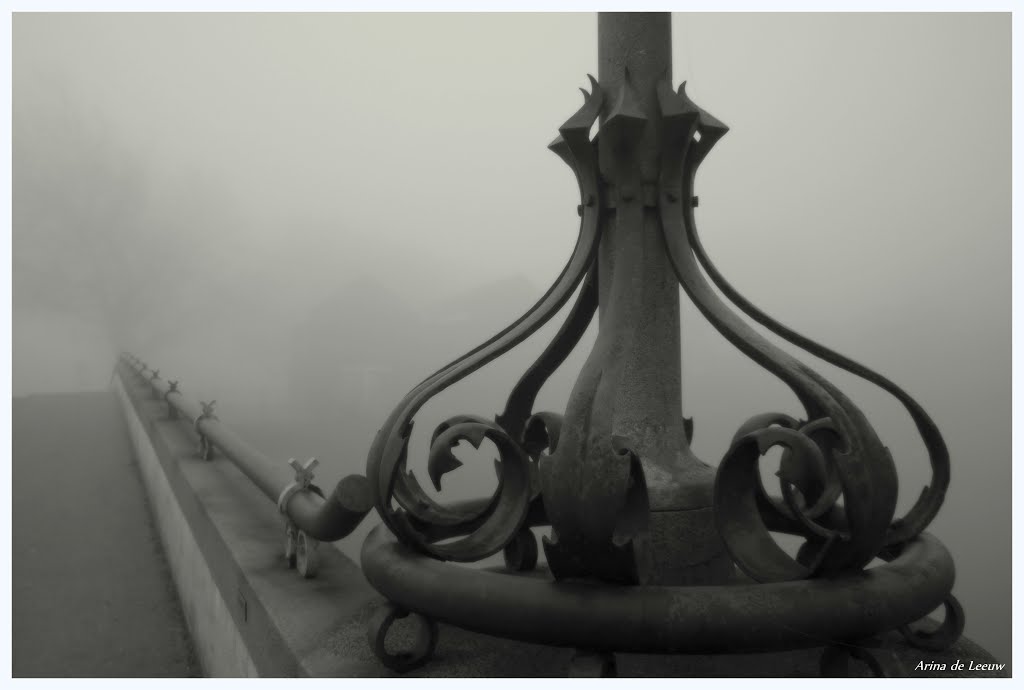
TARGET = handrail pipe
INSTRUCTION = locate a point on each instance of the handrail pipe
(320, 517)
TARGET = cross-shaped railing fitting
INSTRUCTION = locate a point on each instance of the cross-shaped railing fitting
(205, 445)
(172, 411)
(303, 470)
(154, 377)
(303, 479)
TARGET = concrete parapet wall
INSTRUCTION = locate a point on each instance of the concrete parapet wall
(248, 613)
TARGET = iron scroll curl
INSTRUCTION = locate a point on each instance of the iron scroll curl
(851, 449)
(863, 466)
(927, 506)
(415, 518)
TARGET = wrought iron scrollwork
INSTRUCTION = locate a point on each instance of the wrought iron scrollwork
(937, 639)
(932, 496)
(837, 454)
(516, 417)
(834, 454)
(618, 502)
(414, 517)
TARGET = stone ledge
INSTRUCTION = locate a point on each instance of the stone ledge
(249, 614)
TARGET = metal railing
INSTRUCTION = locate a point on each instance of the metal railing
(311, 516)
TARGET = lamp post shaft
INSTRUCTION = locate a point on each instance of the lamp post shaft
(642, 44)
(627, 498)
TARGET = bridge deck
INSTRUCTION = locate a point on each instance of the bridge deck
(92, 594)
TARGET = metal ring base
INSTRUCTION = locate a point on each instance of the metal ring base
(733, 618)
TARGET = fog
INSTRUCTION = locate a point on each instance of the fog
(301, 216)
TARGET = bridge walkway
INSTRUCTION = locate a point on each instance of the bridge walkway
(92, 594)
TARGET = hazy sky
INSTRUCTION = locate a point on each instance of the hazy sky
(230, 170)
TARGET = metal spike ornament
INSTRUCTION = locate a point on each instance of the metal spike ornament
(636, 518)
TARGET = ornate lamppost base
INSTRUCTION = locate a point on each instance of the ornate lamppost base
(845, 614)
(647, 541)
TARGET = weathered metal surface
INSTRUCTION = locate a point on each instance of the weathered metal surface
(590, 664)
(883, 663)
(424, 638)
(386, 462)
(521, 553)
(586, 482)
(945, 635)
(520, 402)
(864, 466)
(614, 476)
(627, 498)
(928, 504)
(664, 619)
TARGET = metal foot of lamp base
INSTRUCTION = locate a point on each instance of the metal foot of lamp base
(423, 642)
(745, 617)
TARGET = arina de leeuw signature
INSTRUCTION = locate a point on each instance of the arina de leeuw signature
(957, 666)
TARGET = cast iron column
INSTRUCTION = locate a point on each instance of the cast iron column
(628, 399)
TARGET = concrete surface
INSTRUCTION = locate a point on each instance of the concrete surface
(91, 593)
(216, 636)
(248, 612)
